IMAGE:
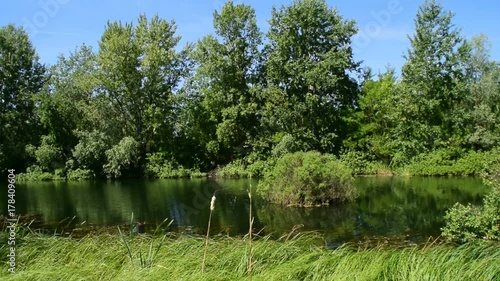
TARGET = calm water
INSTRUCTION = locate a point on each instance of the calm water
(408, 208)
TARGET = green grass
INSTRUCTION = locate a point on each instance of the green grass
(104, 257)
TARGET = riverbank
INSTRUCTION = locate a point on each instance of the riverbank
(441, 162)
(304, 257)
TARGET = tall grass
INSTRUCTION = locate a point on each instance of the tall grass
(147, 260)
(302, 257)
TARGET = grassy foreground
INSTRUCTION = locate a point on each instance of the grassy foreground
(104, 257)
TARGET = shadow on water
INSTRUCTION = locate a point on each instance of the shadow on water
(388, 207)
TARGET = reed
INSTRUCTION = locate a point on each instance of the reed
(250, 230)
(212, 208)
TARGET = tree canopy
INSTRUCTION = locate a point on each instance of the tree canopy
(141, 105)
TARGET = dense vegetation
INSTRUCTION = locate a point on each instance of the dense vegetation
(307, 179)
(104, 257)
(469, 223)
(140, 105)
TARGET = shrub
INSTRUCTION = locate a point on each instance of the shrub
(35, 173)
(90, 152)
(448, 162)
(362, 164)
(260, 167)
(468, 223)
(243, 168)
(286, 143)
(161, 166)
(80, 174)
(121, 157)
(48, 155)
(307, 178)
(235, 169)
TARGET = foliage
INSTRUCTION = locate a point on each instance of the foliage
(80, 174)
(363, 163)
(243, 168)
(70, 103)
(236, 169)
(240, 99)
(35, 173)
(139, 72)
(452, 162)
(433, 85)
(159, 166)
(227, 81)
(21, 78)
(307, 70)
(375, 118)
(122, 157)
(286, 144)
(468, 223)
(482, 130)
(48, 155)
(260, 167)
(307, 178)
(90, 152)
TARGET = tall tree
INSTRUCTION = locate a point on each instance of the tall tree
(483, 103)
(376, 117)
(76, 114)
(228, 80)
(140, 71)
(21, 78)
(309, 72)
(434, 83)
(69, 104)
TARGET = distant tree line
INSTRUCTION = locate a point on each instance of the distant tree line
(140, 105)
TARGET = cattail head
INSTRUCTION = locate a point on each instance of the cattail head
(212, 203)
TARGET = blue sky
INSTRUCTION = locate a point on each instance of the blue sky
(59, 26)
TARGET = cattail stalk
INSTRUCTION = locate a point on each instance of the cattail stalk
(249, 269)
(212, 208)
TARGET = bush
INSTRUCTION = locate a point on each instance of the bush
(121, 157)
(448, 162)
(159, 166)
(35, 173)
(235, 169)
(80, 174)
(286, 143)
(90, 152)
(362, 164)
(240, 169)
(307, 178)
(468, 223)
(260, 167)
(48, 155)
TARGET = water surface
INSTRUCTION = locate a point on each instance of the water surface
(387, 207)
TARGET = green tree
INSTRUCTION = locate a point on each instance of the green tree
(310, 62)
(140, 71)
(433, 84)
(48, 155)
(483, 103)
(123, 158)
(228, 81)
(90, 152)
(21, 77)
(72, 102)
(376, 117)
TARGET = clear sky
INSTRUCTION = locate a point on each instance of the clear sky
(59, 26)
